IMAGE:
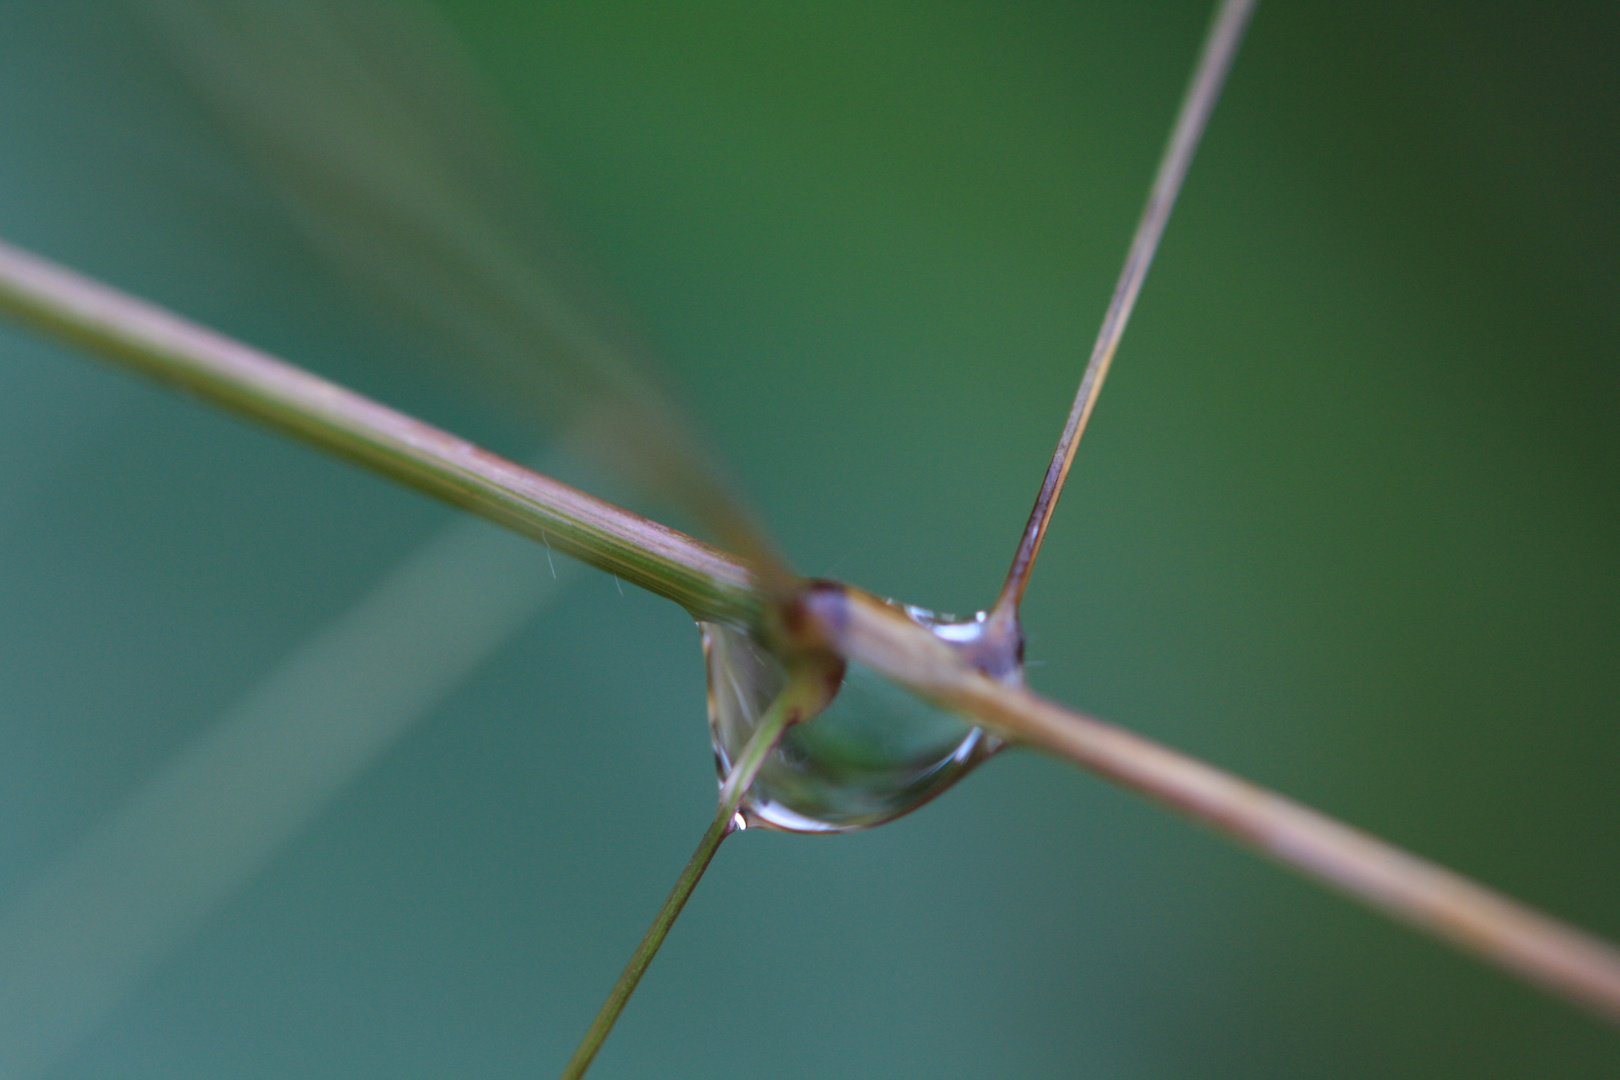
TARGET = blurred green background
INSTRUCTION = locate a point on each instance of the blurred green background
(1346, 522)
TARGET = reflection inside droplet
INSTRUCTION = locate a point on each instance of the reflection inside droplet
(874, 754)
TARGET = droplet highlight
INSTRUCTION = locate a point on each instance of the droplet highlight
(875, 753)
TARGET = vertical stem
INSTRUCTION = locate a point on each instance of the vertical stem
(786, 709)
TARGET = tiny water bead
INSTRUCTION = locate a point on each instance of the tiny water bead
(876, 752)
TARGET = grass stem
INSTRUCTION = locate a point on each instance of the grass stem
(712, 584)
(1220, 48)
(708, 582)
(787, 708)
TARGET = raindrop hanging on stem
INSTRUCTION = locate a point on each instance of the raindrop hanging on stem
(875, 753)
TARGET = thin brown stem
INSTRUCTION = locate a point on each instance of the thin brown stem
(1220, 46)
(706, 581)
(851, 623)
(1477, 919)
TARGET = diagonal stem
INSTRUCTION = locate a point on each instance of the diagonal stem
(790, 706)
(1220, 46)
(709, 583)
(712, 584)
(1475, 918)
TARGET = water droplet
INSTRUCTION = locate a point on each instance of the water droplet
(875, 753)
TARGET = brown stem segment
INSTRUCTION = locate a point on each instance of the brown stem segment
(1221, 45)
(705, 580)
(1542, 950)
(1477, 919)
(714, 585)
